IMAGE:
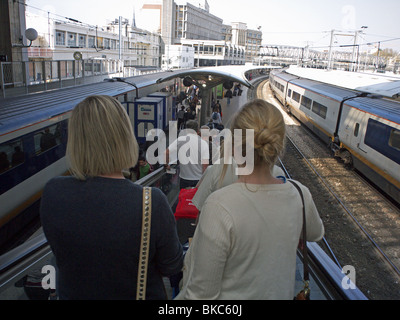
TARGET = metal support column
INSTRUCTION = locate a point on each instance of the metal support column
(205, 111)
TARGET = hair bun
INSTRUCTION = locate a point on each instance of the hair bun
(261, 138)
(269, 129)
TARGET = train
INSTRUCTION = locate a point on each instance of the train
(33, 138)
(361, 129)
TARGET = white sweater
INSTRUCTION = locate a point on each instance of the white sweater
(245, 243)
(210, 181)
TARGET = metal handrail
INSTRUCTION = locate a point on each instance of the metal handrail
(329, 276)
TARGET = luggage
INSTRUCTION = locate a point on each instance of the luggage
(185, 208)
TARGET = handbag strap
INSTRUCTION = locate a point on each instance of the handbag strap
(144, 245)
(304, 235)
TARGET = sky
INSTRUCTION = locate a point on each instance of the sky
(283, 22)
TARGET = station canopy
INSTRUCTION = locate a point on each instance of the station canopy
(211, 77)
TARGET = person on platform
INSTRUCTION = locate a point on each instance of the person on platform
(181, 118)
(144, 167)
(245, 244)
(93, 218)
(194, 161)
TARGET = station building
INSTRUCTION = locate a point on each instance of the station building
(183, 23)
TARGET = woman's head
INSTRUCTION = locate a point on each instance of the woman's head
(100, 138)
(269, 130)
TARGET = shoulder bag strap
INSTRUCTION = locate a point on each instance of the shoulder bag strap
(144, 245)
(304, 236)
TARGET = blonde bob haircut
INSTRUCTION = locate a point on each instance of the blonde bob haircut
(100, 138)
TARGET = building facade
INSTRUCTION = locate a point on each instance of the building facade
(116, 42)
(178, 57)
(253, 45)
(216, 53)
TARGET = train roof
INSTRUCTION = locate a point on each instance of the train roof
(21, 111)
(324, 89)
(384, 108)
(26, 110)
(381, 107)
(374, 83)
(283, 75)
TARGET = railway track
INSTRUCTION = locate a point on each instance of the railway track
(362, 228)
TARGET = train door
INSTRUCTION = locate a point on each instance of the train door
(354, 129)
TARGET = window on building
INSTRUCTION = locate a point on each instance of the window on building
(91, 42)
(82, 41)
(60, 38)
(113, 44)
(107, 44)
(100, 42)
(71, 39)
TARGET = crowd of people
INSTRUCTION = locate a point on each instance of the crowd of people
(248, 230)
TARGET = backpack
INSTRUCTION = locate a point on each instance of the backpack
(215, 116)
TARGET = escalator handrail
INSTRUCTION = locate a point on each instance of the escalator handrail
(332, 273)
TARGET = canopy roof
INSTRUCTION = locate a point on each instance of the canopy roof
(213, 76)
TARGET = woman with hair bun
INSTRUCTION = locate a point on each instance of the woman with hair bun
(245, 244)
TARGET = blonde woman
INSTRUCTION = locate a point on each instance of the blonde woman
(92, 219)
(244, 246)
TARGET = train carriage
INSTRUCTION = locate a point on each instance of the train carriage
(369, 132)
(362, 129)
(33, 138)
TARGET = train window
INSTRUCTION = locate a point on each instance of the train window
(394, 140)
(11, 155)
(384, 139)
(47, 138)
(319, 109)
(289, 93)
(306, 102)
(296, 96)
(356, 129)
